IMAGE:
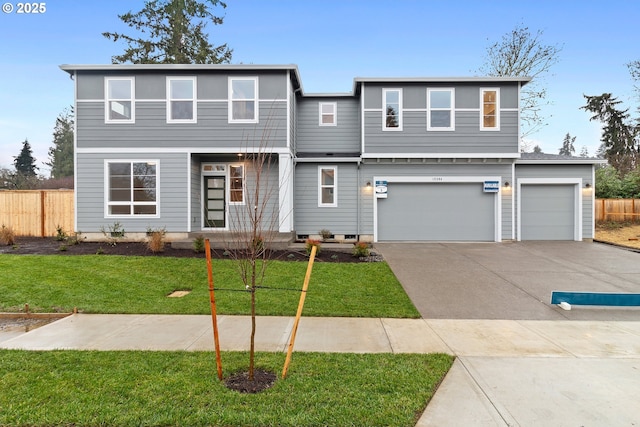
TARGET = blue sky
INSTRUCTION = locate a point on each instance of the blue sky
(331, 42)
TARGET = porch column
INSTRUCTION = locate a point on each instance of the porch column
(285, 193)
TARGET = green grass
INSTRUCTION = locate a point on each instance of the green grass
(181, 389)
(117, 284)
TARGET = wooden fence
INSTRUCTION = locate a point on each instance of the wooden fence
(37, 212)
(617, 210)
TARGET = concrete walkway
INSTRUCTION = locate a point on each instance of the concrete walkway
(508, 372)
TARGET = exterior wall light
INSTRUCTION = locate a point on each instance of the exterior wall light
(506, 184)
(368, 184)
(587, 185)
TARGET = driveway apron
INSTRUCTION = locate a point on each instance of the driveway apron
(511, 280)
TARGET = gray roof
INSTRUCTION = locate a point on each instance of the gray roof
(540, 158)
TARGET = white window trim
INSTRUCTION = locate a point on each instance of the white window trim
(244, 183)
(384, 110)
(107, 99)
(335, 187)
(334, 115)
(255, 100)
(194, 119)
(497, 126)
(107, 203)
(452, 109)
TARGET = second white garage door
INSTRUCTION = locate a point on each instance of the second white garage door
(548, 212)
(436, 212)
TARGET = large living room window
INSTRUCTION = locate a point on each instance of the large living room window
(490, 112)
(327, 186)
(392, 113)
(132, 188)
(181, 100)
(120, 104)
(243, 100)
(440, 109)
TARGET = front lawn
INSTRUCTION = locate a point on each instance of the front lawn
(130, 284)
(63, 388)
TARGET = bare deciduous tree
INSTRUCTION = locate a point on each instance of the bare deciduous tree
(521, 53)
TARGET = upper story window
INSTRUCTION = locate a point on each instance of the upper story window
(236, 184)
(243, 100)
(120, 104)
(392, 113)
(181, 100)
(327, 186)
(490, 110)
(132, 188)
(328, 113)
(440, 109)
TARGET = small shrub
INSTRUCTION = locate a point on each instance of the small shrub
(113, 233)
(100, 251)
(226, 253)
(63, 248)
(361, 249)
(155, 240)
(7, 236)
(61, 236)
(326, 234)
(310, 243)
(198, 244)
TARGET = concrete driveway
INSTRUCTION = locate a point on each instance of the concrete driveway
(512, 280)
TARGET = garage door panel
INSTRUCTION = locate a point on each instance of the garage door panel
(436, 212)
(548, 212)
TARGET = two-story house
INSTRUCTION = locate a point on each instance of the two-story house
(396, 159)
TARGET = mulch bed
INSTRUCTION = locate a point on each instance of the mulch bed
(51, 246)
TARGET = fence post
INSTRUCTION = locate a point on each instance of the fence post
(42, 213)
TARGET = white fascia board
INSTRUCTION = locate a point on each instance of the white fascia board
(562, 162)
(193, 150)
(327, 160)
(440, 155)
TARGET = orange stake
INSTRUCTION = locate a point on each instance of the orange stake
(214, 317)
(299, 313)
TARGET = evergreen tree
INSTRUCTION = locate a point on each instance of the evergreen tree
(619, 134)
(584, 152)
(567, 146)
(537, 149)
(174, 34)
(61, 154)
(24, 163)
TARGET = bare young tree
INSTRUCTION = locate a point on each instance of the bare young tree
(254, 224)
(522, 53)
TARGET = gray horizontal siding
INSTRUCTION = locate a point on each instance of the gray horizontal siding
(309, 218)
(467, 137)
(151, 129)
(342, 138)
(152, 85)
(172, 180)
(566, 171)
(415, 95)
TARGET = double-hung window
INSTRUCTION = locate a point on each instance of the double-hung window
(243, 100)
(440, 109)
(392, 109)
(327, 186)
(328, 113)
(181, 100)
(490, 109)
(132, 188)
(120, 104)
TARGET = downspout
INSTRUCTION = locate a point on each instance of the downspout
(358, 195)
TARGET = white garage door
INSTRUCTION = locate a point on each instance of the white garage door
(436, 212)
(548, 212)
